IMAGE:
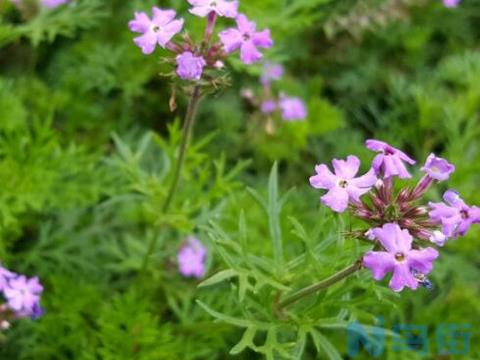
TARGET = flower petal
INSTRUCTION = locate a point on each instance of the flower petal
(231, 39)
(346, 169)
(263, 39)
(402, 276)
(422, 260)
(336, 199)
(162, 17)
(324, 178)
(379, 262)
(249, 53)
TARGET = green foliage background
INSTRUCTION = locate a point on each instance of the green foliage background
(87, 146)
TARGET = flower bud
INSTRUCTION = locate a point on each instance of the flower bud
(4, 325)
(422, 186)
(404, 195)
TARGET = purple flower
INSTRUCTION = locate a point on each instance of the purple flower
(191, 258)
(398, 258)
(438, 238)
(5, 276)
(451, 3)
(53, 3)
(268, 106)
(454, 215)
(438, 168)
(23, 295)
(190, 67)
(293, 108)
(158, 30)
(390, 160)
(220, 7)
(247, 39)
(271, 72)
(342, 186)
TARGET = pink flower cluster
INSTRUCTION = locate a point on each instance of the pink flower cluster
(398, 224)
(290, 108)
(192, 58)
(22, 296)
(191, 258)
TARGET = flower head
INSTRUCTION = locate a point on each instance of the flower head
(451, 3)
(271, 72)
(189, 66)
(23, 295)
(53, 3)
(293, 108)
(158, 30)
(399, 258)
(220, 7)
(268, 106)
(389, 160)
(247, 39)
(438, 168)
(342, 186)
(191, 258)
(454, 215)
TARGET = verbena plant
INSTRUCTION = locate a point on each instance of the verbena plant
(164, 245)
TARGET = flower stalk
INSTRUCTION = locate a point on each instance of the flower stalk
(186, 135)
(187, 131)
(321, 285)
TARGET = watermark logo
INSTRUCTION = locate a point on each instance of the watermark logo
(447, 339)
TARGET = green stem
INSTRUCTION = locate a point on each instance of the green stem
(186, 135)
(321, 285)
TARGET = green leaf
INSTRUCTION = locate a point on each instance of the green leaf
(322, 343)
(245, 342)
(218, 277)
(243, 323)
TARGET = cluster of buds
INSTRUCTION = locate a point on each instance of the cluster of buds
(21, 295)
(399, 225)
(193, 59)
(269, 103)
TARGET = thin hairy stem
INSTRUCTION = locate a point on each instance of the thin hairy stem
(186, 135)
(321, 285)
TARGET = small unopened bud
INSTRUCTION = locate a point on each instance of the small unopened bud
(422, 186)
(247, 93)
(370, 235)
(438, 237)
(379, 204)
(363, 214)
(219, 65)
(416, 212)
(423, 234)
(407, 223)
(404, 195)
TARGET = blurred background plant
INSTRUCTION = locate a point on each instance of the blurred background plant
(87, 146)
